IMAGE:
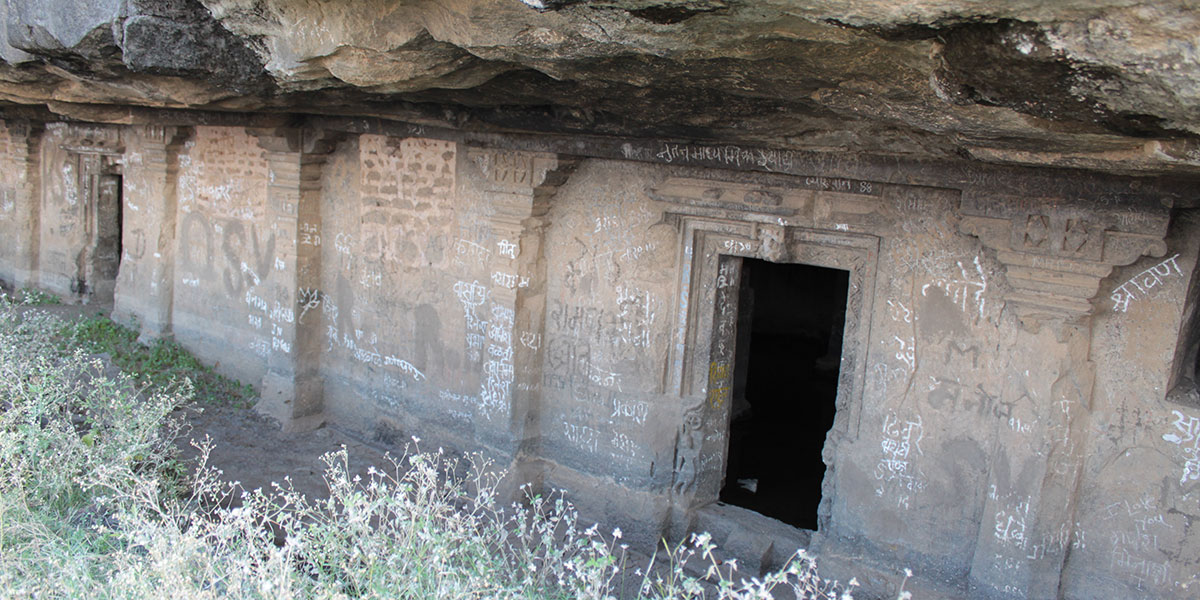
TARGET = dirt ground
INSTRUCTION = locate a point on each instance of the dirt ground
(252, 449)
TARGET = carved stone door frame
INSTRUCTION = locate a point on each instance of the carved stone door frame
(700, 362)
(97, 156)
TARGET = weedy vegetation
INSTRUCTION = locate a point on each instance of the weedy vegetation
(160, 364)
(94, 503)
(35, 297)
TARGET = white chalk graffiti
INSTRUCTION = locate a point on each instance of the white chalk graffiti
(245, 268)
(907, 352)
(282, 314)
(635, 410)
(307, 299)
(584, 437)
(475, 346)
(462, 399)
(635, 316)
(1143, 282)
(468, 253)
(507, 249)
(771, 160)
(1010, 524)
(624, 445)
(370, 277)
(343, 243)
(739, 247)
(511, 281)
(1135, 549)
(404, 366)
(962, 290)
(260, 347)
(883, 375)
(603, 377)
(472, 295)
(255, 302)
(606, 222)
(328, 308)
(900, 445)
(365, 352)
(500, 326)
(1018, 542)
(900, 312)
(495, 390)
(629, 252)
(373, 357)
(531, 340)
(725, 276)
(310, 234)
(1188, 439)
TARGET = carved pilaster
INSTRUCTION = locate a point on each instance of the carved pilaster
(519, 186)
(144, 292)
(292, 389)
(1055, 254)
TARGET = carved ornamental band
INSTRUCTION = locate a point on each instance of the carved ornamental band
(1057, 252)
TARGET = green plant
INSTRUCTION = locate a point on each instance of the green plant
(35, 297)
(162, 362)
(69, 439)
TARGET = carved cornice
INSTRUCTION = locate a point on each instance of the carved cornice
(23, 128)
(519, 172)
(1056, 252)
(155, 141)
(278, 139)
(157, 134)
(92, 139)
(523, 182)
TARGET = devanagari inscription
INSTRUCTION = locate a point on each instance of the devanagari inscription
(1139, 285)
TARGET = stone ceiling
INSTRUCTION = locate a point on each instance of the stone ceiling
(1112, 85)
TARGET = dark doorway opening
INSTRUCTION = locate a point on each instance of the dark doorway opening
(103, 188)
(789, 348)
(109, 216)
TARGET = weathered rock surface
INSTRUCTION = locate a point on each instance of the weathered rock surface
(1111, 85)
(333, 200)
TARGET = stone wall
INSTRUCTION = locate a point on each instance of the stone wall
(384, 306)
(18, 208)
(227, 253)
(1002, 420)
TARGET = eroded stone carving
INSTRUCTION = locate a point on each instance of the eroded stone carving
(1057, 252)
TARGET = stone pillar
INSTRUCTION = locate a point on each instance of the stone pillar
(292, 390)
(25, 197)
(145, 286)
(1056, 253)
(519, 186)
